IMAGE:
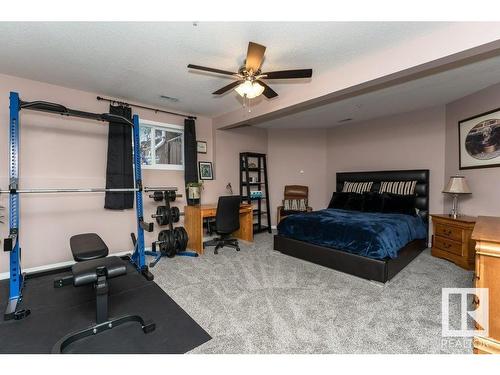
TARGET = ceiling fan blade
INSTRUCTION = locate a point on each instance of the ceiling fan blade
(255, 55)
(228, 87)
(204, 68)
(297, 73)
(268, 92)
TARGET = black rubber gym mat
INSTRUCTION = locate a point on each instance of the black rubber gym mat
(57, 312)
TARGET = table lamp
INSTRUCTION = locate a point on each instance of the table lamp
(456, 186)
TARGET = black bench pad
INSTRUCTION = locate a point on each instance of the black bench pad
(86, 272)
(87, 246)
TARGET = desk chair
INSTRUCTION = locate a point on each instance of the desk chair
(227, 221)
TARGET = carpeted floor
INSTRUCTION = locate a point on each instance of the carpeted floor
(260, 301)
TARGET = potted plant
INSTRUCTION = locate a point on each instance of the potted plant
(193, 192)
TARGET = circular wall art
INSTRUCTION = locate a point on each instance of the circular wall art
(483, 140)
(479, 138)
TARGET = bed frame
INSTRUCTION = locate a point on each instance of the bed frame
(357, 265)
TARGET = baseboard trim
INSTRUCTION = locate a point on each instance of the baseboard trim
(47, 267)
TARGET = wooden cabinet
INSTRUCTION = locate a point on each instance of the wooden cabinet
(487, 275)
(452, 239)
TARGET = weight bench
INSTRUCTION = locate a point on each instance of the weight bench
(94, 267)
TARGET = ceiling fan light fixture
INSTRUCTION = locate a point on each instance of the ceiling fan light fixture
(250, 89)
(248, 82)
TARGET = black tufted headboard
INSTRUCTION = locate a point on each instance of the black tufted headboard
(419, 175)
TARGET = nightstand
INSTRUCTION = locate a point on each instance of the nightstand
(451, 239)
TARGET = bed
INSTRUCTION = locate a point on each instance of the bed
(361, 234)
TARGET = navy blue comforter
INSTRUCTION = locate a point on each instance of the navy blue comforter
(374, 235)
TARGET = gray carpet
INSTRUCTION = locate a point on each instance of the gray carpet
(260, 301)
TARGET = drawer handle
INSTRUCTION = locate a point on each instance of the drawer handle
(475, 301)
(447, 232)
(447, 245)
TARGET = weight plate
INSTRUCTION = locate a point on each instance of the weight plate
(170, 194)
(159, 217)
(177, 240)
(167, 243)
(162, 241)
(175, 212)
(162, 215)
(157, 196)
(185, 239)
(181, 239)
(172, 248)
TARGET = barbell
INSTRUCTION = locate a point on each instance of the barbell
(86, 190)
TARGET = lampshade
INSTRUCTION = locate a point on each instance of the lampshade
(457, 185)
(250, 89)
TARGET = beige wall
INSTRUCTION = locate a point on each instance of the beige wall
(291, 152)
(229, 144)
(484, 182)
(66, 152)
(411, 140)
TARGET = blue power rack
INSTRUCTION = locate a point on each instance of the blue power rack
(12, 243)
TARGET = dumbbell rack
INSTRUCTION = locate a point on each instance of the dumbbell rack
(169, 242)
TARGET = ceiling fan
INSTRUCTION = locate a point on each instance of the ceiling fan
(249, 82)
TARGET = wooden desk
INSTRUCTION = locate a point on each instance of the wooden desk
(193, 222)
(487, 275)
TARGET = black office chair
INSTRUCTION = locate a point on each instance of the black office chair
(227, 221)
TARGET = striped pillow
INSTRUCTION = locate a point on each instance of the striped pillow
(398, 187)
(357, 187)
(295, 205)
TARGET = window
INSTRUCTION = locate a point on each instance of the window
(162, 145)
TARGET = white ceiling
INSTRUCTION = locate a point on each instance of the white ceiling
(433, 90)
(141, 61)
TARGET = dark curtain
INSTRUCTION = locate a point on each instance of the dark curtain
(119, 171)
(190, 153)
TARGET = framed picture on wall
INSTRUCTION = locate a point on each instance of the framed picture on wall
(201, 147)
(205, 169)
(479, 138)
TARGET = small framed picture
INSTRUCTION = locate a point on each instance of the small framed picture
(479, 138)
(201, 147)
(205, 169)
